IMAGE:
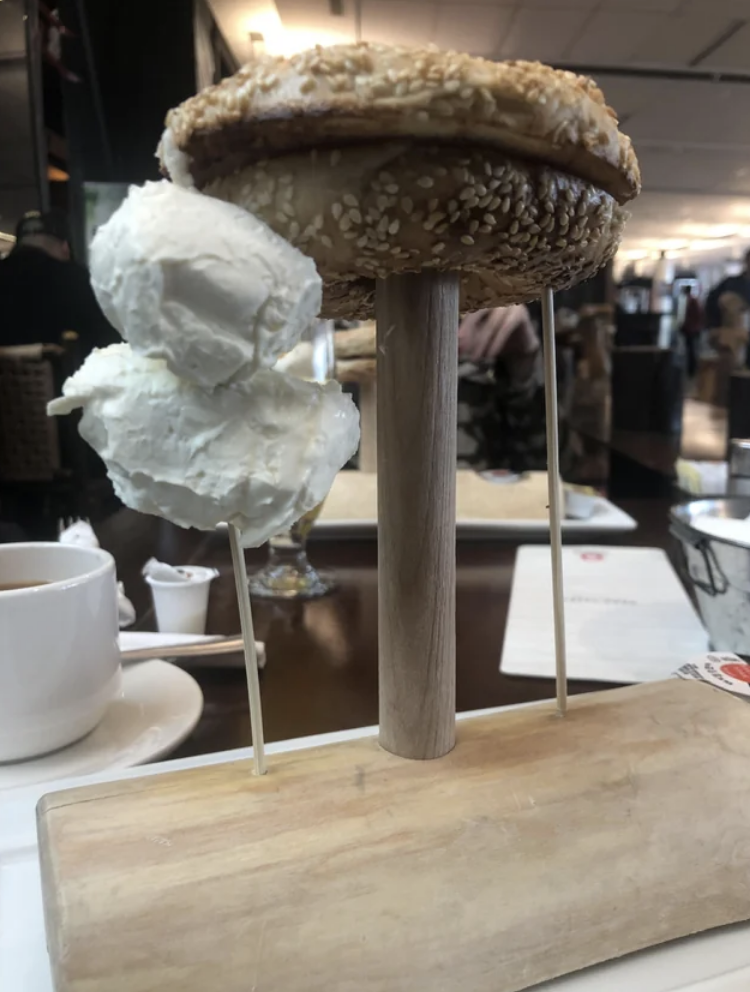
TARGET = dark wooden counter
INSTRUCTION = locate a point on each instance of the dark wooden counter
(321, 673)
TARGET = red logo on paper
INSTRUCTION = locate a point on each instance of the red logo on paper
(592, 556)
(738, 670)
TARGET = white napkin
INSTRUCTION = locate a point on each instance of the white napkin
(81, 534)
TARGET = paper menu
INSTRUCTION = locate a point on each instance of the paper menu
(627, 615)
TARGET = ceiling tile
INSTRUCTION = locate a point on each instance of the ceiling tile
(696, 113)
(733, 54)
(558, 4)
(680, 39)
(613, 37)
(652, 6)
(476, 28)
(399, 22)
(542, 34)
(725, 8)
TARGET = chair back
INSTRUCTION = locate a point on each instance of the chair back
(29, 439)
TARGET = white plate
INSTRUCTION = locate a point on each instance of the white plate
(718, 961)
(159, 706)
(606, 518)
(493, 507)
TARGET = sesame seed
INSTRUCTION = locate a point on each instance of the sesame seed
(325, 240)
(480, 190)
(519, 209)
(505, 207)
(454, 216)
(361, 242)
(436, 249)
(318, 221)
(281, 218)
(473, 227)
(337, 211)
(433, 204)
(407, 204)
(382, 202)
(394, 226)
(350, 200)
(426, 182)
(383, 246)
(345, 223)
(293, 230)
(484, 229)
(489, 219)
(467, 239)
(355, 216)
(466, 194)
(350, 235)
(392, 188)
(514, 227)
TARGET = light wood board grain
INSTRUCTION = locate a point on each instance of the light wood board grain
(538, 846)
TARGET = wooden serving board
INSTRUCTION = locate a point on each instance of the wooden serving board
(539, 846)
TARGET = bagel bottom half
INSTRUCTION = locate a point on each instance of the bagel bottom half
(363, 212)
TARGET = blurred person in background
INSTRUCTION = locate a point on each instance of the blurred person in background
(501, 403)
(43, 292)
(739, 284)
(691, 328)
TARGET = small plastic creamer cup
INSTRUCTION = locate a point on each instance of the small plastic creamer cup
(181, 606)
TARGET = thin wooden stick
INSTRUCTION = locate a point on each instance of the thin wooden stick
(251, 659)
(555, 493)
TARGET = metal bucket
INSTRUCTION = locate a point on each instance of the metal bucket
(718, 570)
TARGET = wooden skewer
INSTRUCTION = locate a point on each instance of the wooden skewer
(555, 494)
(251, 659)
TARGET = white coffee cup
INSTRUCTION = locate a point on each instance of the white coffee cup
(59, 655)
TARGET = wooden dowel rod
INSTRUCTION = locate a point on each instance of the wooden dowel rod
(555, 498)
(251, 659)
(417, 375)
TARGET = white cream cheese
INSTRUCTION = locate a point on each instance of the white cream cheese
(201, 284)
(257, 454)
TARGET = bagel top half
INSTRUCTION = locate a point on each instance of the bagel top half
(379, 160)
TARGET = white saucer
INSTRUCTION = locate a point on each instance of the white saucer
(159, 706)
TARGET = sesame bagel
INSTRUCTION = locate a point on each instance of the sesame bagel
(367, 212)
(368, 93)
(378, 161)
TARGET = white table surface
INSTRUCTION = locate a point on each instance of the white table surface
(715, 962)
